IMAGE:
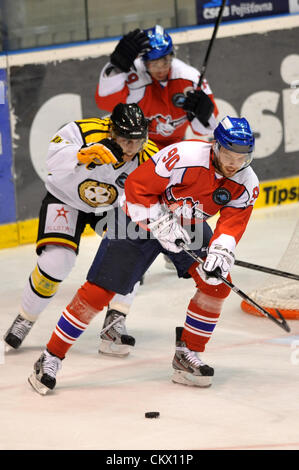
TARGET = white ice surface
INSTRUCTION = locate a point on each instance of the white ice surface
(99, 402)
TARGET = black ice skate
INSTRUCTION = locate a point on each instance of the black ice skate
(43, 378)
(188, 367)
(114, 338)
(17, 332)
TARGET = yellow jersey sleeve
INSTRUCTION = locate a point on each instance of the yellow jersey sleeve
(94, 129)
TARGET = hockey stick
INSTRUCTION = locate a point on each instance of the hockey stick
(264, 269)
(283, 324)
(180, 103)
(205, 62)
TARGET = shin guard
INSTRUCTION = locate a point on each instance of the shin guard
(87, 302)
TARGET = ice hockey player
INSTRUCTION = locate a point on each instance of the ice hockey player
(143, 70)
(185, 182)
(88, 161)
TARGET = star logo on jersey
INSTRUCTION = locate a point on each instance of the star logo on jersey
(165, 125)
(61, 213)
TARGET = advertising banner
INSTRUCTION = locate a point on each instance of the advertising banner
(207, 10)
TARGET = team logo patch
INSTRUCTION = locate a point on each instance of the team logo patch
(97, 194)
(120, 180)
(221, 196)
(61, 218)
(179, 99)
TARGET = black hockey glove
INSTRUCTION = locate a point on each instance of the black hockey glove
(128, 48)
(199, 105)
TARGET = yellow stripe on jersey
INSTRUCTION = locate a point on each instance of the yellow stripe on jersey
(94, 129)
(57, 139)
(56, 241)
(42, 285)
(149, 150)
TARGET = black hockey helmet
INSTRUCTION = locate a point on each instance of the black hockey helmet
(128, 121)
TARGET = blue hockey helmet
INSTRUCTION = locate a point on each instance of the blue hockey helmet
(235, 134)
(160, 43)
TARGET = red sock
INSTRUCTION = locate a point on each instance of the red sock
(203, 312)
(88, 301)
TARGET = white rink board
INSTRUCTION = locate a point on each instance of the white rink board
(99, 402)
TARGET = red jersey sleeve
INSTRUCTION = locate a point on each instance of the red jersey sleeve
(143, 190)
(232, 222)
(108, 102)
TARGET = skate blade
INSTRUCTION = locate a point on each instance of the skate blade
(37, 386)
(109, 348)
(185, 378)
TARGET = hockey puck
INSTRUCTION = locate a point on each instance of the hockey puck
(152, 414)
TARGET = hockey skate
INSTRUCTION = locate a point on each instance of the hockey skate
(188, 367)
(114, 338)
(43, 378)
(17, 332)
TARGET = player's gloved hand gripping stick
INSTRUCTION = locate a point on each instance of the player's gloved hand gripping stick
(167, 230)
(282, 323)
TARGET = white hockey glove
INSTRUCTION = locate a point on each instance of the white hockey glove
(167, 230)
(218, 262)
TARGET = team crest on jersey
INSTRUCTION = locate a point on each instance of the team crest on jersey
(165, 125)
(120, 180)
(97, 194)
(178, 99)
(221, 196)
(186, 207)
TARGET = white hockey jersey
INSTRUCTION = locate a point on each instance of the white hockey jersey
(95, 188)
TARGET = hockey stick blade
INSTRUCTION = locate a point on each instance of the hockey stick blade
(283, 324)
(264, 269)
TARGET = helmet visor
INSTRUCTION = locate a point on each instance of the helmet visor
(136, 134)
(232, 159)
(128, 145)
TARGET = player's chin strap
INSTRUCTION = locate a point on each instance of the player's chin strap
(283, 324)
